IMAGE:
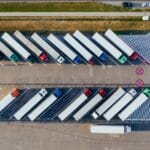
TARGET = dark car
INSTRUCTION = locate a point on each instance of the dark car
(127, 4)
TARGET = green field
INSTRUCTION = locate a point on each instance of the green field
(57, 7)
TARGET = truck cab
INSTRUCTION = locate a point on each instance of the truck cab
(14, 58)
(57, 92)
(102, 92)
(134, 56)
(91, 62)
(16, 92)
(123, 59)
(87, 92)
(77, 60)
(43, 57)
(103, 57)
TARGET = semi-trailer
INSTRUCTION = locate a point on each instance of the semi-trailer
(45, 104)
(8, 53)
(108, 103)
(17, 47)
(10, 97)
(117, 54)
(30, 104)
(74, 105)
(63, 48)
(90, 45)
(89, 105)
(114, 38)
(41, 55)
(120, 104)
(110, 129)
(79, 48)
(135, 104)
(50, 50)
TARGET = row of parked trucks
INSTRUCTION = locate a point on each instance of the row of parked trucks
(81, 45)
(120, 103)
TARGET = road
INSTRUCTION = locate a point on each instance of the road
(28, 136)
(77, 14)
(38, 75)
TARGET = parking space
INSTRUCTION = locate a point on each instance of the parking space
(109, 61)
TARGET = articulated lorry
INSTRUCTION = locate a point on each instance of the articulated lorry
(45, 104)
(42, 56)
(89, 105)
(90, 45)
(30, 104)
(135, 104)
(10, 97)
(8, 53)
(110, 129)
(114, 38)
(117, 54)
(80, 49)
(74, 105)
(120, 104)
(63, 48)
(50, 50)
(108, 102)
(17, 47)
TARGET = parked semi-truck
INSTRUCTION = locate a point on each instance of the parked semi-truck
(8, 53)
(63, 48)
(42, 56)
(89, 105)
(108, 103)
(17, 47)
(74, 105)
(120, 104)
(135, 104)
(110, 129)
(79, 48)
(50, 50)
(9, 98)
(121, 44)
(90, 45)
(45, 104)
(117, 54)
(30, 104)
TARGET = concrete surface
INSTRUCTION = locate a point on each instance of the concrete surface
(77, 14)
(54, 74)
(28, 136)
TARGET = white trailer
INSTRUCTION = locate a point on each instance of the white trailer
(8, 53)
(43, 106)
(110, 129)
(87, 107)
(117, 54)
(30, 104)
(62, 47)
(119, 43)
(50, 50)
(120, 104)
(79, 48)
(136, 103)
(16, 46)
(109, 102)
(74, 105)
(30, 45)
(90, 45)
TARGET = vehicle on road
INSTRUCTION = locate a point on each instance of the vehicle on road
(108, 103)
(17, 47)
(90, 45)
(30, 104)
(10, 97)
(135, 104)
(74, 105)
(50, 50)
(117, 54)
(110, 129)
(8, 53)
(121, 44)
(80, 49)
(63, 48)
(42, 56)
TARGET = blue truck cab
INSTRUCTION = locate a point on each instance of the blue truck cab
(103, 57)
(77, 60)
(57, 92)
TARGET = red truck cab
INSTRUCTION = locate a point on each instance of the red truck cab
(44, 57)
(102, 92)
(16, 92)
(91, 62)
(134, 56)
(87, 92)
